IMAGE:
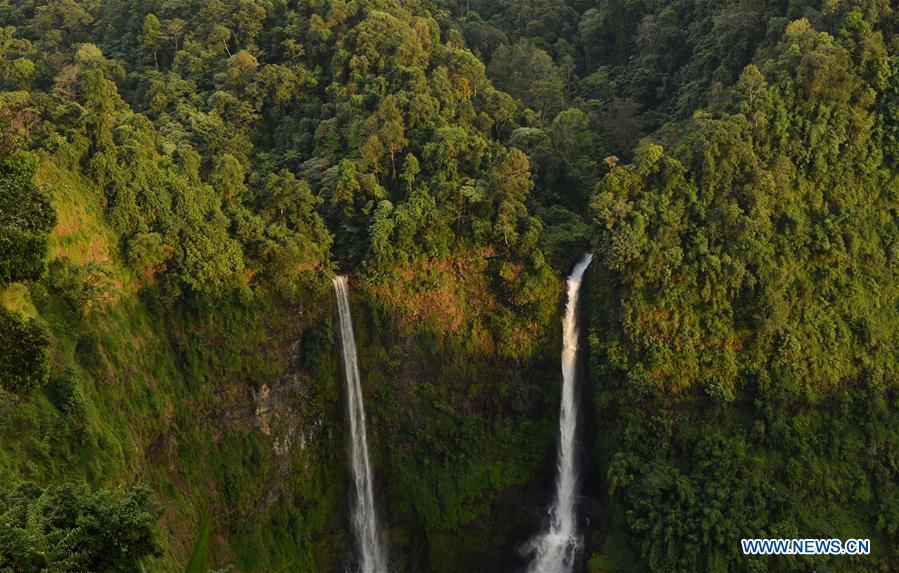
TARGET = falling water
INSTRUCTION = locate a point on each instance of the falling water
(372, 557)
(555, 549)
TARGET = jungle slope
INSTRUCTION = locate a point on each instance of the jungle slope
(743, 343)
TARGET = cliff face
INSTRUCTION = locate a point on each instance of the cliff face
(464, 441)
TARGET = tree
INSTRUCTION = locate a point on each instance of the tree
(146, 251)
(227, 178)
(17, 71)
(297, 242)
(511, 176)
(26, 218)
(571, 133)
(207, 260)
(543, 20)
(102, 104)
(151, 36)
(529, 74)
(86, 287)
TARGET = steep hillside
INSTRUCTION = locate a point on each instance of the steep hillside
(209, 410)
(745, 361)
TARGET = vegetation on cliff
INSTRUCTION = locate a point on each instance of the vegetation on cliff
(180, 178)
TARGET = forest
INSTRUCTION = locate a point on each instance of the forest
(181, 180)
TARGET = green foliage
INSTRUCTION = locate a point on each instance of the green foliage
(295, 245)
(85, 287)
(26, 217)
(207, 260)
(565, 236)
(24, 349)
(65, 392)
(151, 35)
(743, 277)
(146, 250)
(70, 528)
(528, 73)
(237, 153)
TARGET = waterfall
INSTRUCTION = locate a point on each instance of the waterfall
(555, 549)
(372, 556)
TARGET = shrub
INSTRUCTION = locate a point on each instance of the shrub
(145, 250)
(85, 287)
(87, 351)
(24, 364)
(65, 393)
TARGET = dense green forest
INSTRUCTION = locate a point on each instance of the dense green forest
(181, 179)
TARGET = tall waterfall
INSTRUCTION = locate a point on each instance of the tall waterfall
(555, 549)
(372, 556)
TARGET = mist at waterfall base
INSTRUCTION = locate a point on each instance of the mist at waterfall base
(555, 550)
(372, 556)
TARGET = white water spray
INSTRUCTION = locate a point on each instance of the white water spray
(556, 548)
(372, 556)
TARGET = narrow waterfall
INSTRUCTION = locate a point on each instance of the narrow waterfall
(555, 549)
(372, 556)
